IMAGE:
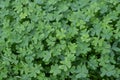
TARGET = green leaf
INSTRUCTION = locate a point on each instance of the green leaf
(46, 56)
(55, 69)
(93, 63)
(81, 71)
(108, 70)
(60, 34)
(72, 47)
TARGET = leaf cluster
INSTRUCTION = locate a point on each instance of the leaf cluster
(59, 39)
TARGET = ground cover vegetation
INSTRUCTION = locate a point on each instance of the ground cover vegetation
(59, 39)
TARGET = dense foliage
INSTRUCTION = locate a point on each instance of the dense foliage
(59, 39)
